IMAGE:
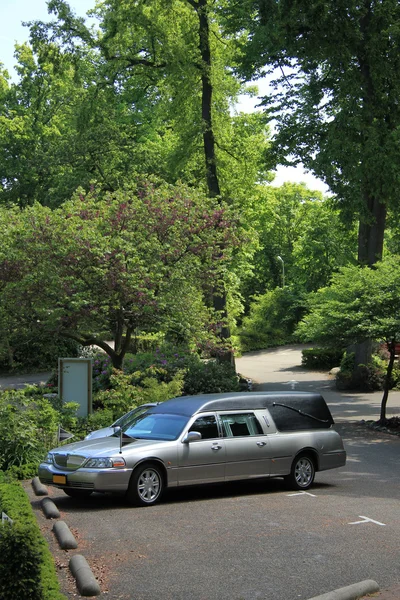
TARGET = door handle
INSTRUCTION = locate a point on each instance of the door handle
(216, 447)
(261, 443)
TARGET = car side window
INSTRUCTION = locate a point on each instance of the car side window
(241, 424)
(207, 426)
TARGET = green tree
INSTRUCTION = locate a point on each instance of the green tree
(114, 264)
(306, 231)
(361, 303)
(171, 64)
(336, 104)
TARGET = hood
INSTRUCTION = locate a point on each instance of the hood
(102, 447)
(99, 433)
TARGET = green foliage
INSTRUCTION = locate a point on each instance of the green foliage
(32, 349)
(27, 429)
(361, 303)
(321, 358)
(27, 569)
(125, 392)
(303, 228)
(336, 98)
(272, 319)
(207, 377)
(126, 262)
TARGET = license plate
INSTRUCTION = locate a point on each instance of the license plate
(60, 479)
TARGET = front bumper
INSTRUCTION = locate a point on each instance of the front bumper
(97, 480)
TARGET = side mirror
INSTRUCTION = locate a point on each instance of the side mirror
(192, 436)
(117, 429)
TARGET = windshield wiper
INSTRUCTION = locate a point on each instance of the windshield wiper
(300, 412)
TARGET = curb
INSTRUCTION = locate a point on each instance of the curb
(85, 580)
(38, 487)
(50, 509)
(64, 536)
(351, 592)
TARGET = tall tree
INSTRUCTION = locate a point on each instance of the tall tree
(336, 100)
(169, 61)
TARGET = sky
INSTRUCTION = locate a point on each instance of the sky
(14, 12)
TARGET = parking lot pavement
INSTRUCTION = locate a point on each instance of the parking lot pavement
(250, 540)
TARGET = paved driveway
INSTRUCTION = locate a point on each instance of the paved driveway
(280, 369)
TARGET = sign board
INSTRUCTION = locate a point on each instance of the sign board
(75, 383)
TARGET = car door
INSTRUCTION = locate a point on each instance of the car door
(246, 446)
(202, 461)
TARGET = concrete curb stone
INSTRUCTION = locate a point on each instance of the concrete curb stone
(85, 580)
(351, 592)
(50, 509)
(64, 536)
(38, 487)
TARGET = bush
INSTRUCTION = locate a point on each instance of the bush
(27, 428)
(365, 378)
(34, 350)
(26, 569)
(130, 390)
(272, 320)
(208, 377)
(321, 358)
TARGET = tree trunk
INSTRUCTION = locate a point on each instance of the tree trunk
(200, 6)
(371, 232)
(392, 349)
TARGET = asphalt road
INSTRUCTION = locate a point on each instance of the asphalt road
(248, 541)
(280, 369)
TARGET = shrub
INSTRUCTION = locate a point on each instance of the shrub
(27, 428)
(365, 378)
(272, 320)
(321, 358)
(207, 377)
(26, 569)
(35, 349)
(130, 390)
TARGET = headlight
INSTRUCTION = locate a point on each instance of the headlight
(49, 459)
(105, 463)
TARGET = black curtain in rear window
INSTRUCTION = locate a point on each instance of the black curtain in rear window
(294, 416)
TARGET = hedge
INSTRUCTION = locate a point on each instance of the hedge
(27, 568)
(321, 358)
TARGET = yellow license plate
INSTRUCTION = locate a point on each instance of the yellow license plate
(60, 479)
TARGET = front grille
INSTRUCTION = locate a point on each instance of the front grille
(68, 461)
(80, 484)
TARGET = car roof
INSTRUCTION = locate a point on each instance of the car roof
(190, 405)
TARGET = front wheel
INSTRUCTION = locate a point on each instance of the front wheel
(146, 485)
(302, 473)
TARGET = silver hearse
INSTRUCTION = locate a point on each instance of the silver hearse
(203, 439)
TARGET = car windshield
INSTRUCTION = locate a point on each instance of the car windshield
(130, 416)
(156, 426)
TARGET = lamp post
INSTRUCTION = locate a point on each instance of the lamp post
(283, 270)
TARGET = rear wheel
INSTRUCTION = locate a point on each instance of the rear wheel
(302, 474)
(75, 493)
(146, 485)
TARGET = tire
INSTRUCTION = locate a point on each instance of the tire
(77, 493)
(146, 485)
(302, 473)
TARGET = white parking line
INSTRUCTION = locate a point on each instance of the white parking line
(302, 494)
(367, 520)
